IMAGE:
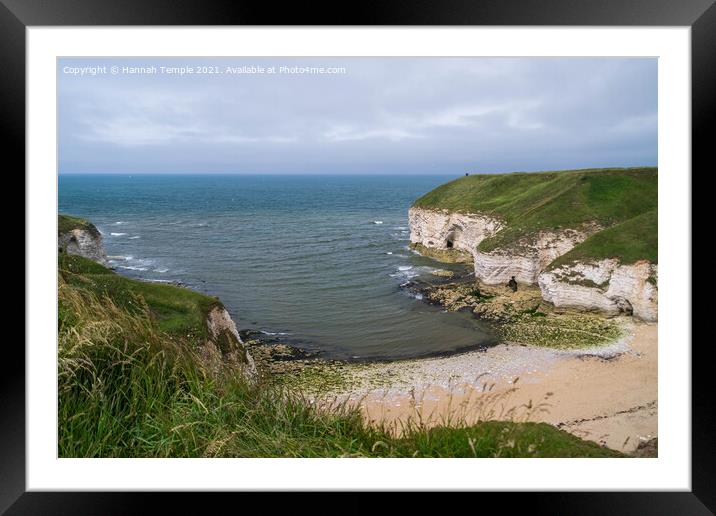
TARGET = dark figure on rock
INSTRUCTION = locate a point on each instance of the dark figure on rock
(512, 284)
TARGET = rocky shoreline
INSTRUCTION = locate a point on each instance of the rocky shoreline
(521, 316)
(520, 319)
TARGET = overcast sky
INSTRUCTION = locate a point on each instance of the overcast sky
(380, 116)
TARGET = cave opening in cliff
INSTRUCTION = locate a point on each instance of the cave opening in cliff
(452, 235)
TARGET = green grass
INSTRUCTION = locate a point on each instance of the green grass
(633, 240)
(529, 202)
(176, 310)
(66, 223)
(130, 385)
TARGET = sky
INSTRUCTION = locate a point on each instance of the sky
(355, 115)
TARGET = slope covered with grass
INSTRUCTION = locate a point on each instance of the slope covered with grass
(175, 309)
(130, 385)
(633, 240)
(529, 202)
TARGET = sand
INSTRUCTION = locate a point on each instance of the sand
(607, 395)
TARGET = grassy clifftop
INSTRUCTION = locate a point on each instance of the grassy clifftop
(175, 310)
(66, 223)
(529, 202)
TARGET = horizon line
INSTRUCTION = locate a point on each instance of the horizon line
(460, 174)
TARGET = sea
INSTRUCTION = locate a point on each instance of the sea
(319, 262)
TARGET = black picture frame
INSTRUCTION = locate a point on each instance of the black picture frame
(16, 15)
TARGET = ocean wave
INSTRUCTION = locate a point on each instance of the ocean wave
(118, 234)
(133, 267)
(405, 274)
(134, 237)
(137, 264)
(119, 223)
(274, 333)
(377, 222)
(389, 252)
(408, 272)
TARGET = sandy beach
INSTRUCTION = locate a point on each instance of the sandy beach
(607, 394)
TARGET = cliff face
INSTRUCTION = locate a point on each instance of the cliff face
(438, 233)
(225, 344)
(526, 260)
(447, 234)
(605, 286)
(83, 241)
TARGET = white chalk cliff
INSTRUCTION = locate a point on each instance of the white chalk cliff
(604, 286)
(85, 242)
(530, 257)
(444, 230)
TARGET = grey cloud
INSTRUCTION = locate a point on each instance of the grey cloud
(385, 115)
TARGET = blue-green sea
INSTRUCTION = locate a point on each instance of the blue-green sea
(316, 260)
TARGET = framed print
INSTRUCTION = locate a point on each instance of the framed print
(437, 249)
